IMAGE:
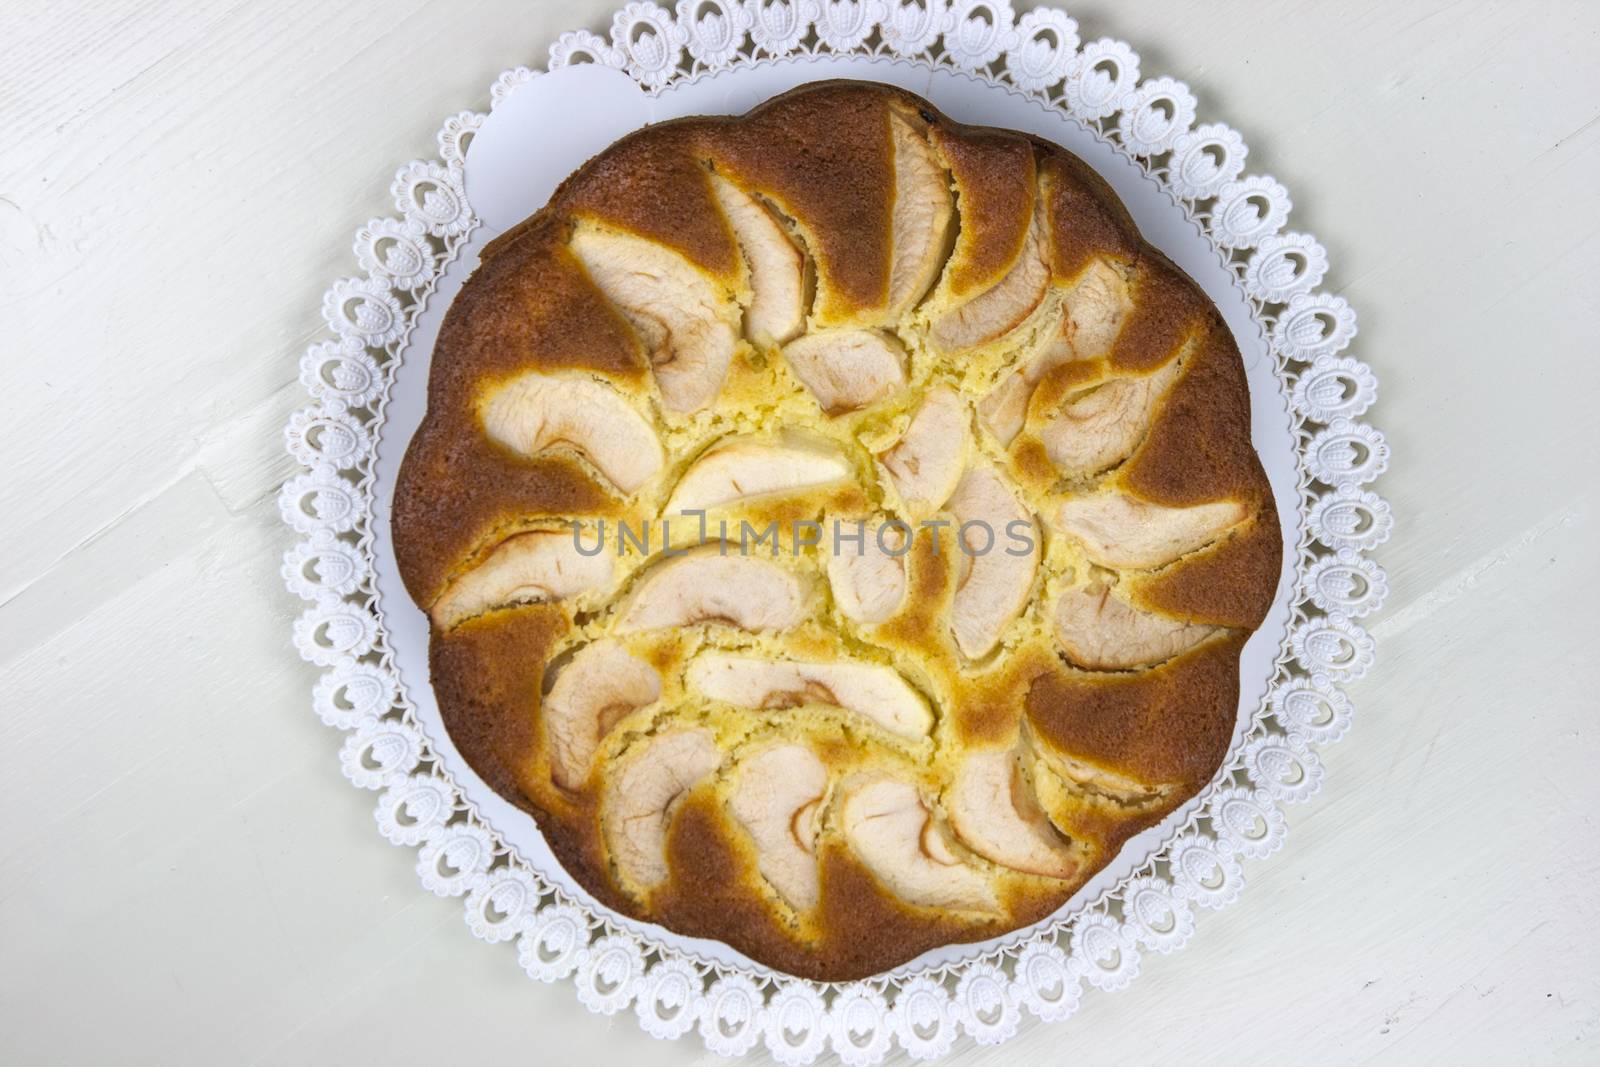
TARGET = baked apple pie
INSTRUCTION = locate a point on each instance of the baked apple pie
(839, 528)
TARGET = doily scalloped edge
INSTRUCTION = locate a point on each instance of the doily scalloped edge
(329, 504)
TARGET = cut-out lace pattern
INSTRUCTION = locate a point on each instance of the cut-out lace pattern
(1327, 391)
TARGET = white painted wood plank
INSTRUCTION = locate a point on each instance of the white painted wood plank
(181, 862)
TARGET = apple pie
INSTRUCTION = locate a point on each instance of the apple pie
(839, 528)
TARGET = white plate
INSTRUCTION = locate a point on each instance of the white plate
(979, 63)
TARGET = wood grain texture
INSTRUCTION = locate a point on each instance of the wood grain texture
(185, 878)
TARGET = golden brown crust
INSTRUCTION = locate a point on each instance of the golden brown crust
(1229, 584)
(711, 895)
(653, 184)
(995, 191)
(1169, 312)
(1170, 723)
(824, 155)
(459, 493)
(530, 304)
(1200, 449)
(1087, 220)
(484, 672)
(1119, 748)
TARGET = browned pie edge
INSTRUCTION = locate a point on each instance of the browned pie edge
(529, 304)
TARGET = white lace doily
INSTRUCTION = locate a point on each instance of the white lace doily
(1042, 971)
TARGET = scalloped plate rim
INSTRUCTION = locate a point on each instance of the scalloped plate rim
(398, 615)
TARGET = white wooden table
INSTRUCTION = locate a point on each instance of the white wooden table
(185, 877)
